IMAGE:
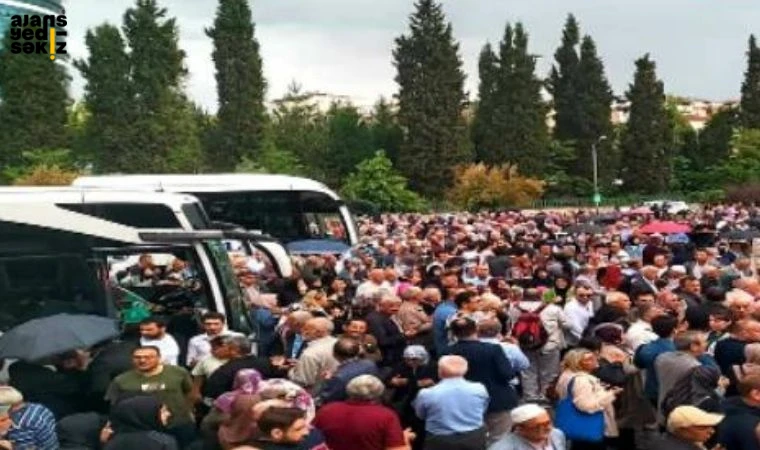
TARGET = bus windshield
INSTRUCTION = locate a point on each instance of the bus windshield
(286, 215)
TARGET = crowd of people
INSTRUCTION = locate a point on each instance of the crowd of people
(498, 331)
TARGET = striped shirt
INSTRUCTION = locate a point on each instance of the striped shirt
(33, 428)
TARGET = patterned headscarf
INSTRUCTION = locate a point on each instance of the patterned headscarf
(247, 381)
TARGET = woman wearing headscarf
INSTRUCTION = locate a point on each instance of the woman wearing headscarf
(411, 375)
(246, 383)
(138, 422)
(240, 425)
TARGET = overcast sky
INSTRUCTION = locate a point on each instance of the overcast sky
(343, 47)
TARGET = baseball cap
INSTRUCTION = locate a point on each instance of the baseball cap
(691, 416)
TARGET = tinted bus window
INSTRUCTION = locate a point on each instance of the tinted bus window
(144, 215)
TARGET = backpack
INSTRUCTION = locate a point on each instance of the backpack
(529, 329)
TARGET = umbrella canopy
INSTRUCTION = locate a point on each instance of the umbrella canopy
(740, 235)
(588, 228)
(665, 227)
(317, 247)
(679, 238)
(640, 211)
(53, 335)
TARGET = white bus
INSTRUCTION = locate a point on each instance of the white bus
(59, 247)
(297, 211)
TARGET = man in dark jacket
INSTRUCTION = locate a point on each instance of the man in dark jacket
(487, 365)
(729, 352)
(688, 429)
(387, 331)
(741, 427)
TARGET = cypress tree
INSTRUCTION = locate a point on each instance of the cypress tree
(33, 105)
(108, 96)
(594, 104)
(386, 133)
(562, 84)
(165, 126)
(349, 142)
(520, 113)
(714, 144)
(240, 86)
(750, 101)
(646, 140)
(483, 133)
(431, 101)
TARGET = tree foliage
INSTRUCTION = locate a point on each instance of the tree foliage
(44, 175)
(240, 87)
(386, 133)
(479, 186)
(512, 125)
(108, 97)
(482, 130)
(349, 142)
(645, 140)
(431, 100)
(750, 100)
(376, 181)
(563, 83)
(34, 104)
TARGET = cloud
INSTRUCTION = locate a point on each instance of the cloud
(344, 46)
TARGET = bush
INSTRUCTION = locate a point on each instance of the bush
(478, 186)
(44, 175)
(376, 182)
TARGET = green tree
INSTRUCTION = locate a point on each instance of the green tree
(750, 101)
(431, 101)
(108, 134)
(386, 132)
(646, 138)
(299, 128)
(240, 86)
(349, 142)
(165, 130)
(376, 181)
(34, 104)
(743, 166)
(272, 160)
(562, 83)
(594, 103)
(715, 138)
(519, 118)
(483, 131)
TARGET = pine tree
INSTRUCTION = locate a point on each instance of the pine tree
(349, 142)
(520, 113)
(165, 128)
(483, 132)
(386, 133)
(33, 105)
(563, 81)
(108, 95)
(750, 101)
(431, 101)
(646, 140)
(715, 139)
(594, 104)
(240, 86)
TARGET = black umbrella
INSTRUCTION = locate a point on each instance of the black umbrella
(53, 335)
(588, 228)
(740, 235)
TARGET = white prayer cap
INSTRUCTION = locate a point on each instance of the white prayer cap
(526, 412)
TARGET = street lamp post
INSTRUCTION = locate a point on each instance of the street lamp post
(595, 162)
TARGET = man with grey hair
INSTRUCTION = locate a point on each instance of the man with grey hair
(238, 349)
(317, 359)
(691, 352)
(454, 409)
(30, 425)
(384, 325)
(362, 421)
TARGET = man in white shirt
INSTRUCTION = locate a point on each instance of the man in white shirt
(199, 346)
(153, 334)
(640, 332)
(578, 312)
(373, 285)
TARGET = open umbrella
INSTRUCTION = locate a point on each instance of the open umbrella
(53, 335)
(317, 247)
(740, 235)
(665, 227)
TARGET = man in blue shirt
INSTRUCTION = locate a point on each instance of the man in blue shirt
(443, 313)
(664, 327)
(454, 409)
